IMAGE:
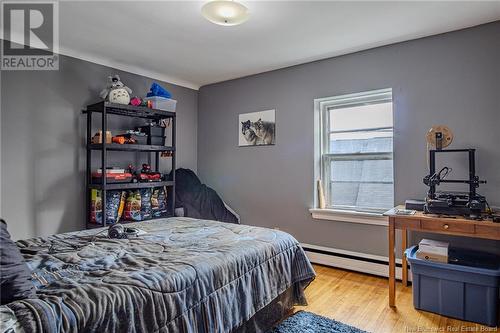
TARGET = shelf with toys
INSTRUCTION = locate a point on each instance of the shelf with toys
(131, 147)
(129, 195)
(129, 110)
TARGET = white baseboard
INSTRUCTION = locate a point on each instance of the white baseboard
(354, 261)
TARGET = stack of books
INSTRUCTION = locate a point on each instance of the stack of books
(433, 250)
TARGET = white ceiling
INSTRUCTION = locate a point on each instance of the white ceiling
(171, 40)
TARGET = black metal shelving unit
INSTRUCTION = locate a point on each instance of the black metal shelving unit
(106, 109)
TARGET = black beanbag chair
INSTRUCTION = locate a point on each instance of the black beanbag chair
(198, 200)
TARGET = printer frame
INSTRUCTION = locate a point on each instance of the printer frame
(468, 203)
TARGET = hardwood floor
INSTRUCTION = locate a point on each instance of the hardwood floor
(361, 300)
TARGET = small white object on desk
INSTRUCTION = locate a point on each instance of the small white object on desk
(399, 211)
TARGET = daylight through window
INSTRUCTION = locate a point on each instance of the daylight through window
(356, 153)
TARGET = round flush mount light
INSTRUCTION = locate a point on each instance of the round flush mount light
(225, 12)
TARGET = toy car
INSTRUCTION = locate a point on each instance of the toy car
(146, 175)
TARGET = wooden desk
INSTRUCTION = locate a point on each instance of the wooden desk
(430, 223)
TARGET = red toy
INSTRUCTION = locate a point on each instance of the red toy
(145, 175)
(136, 101)
(123, 177)
(123, 139)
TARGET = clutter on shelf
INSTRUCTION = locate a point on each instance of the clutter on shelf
(157, 97)
(154, 132)
(137, 101)
(150, 134)
(115, 202)
(115, 193)
(97, 138)
(129, 175)
(160, 98)
(146, 174)
(131, 137)
(112, 176)
(134, 205)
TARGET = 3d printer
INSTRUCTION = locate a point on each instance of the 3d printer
(470, 204)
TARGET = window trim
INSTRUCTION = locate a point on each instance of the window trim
(350, 216)
(321, 111)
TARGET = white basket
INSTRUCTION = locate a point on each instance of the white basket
(162, 103)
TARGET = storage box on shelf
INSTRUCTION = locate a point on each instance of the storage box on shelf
(155, 134)
(106, 109)
(162, 103)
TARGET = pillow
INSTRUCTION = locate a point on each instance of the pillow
(15, 276)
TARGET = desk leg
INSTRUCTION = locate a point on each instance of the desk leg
(404, 266)
(392, 263)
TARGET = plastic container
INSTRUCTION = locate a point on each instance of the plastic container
(156, 140)
(162, 103)
(466, 288)
(152, 130)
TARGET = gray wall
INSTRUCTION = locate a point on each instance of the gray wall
(451, 79)
(42, 142)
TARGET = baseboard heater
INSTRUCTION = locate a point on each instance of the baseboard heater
(354, 261)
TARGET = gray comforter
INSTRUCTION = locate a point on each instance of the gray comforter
(184, 275)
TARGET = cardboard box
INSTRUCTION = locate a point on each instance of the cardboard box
(434, 247)
(431, 256)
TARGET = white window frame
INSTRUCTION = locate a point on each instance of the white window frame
(321, 144)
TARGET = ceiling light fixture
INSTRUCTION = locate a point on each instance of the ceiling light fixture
(225, 12)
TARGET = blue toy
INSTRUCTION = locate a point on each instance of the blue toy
(157, 90)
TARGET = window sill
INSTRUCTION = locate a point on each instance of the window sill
(348, 216)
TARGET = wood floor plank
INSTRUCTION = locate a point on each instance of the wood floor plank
(361, 300)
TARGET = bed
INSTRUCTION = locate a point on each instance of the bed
(183, 275)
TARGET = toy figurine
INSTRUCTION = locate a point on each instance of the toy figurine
(116, 91)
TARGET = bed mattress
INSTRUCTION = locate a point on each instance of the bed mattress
(183, 275)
